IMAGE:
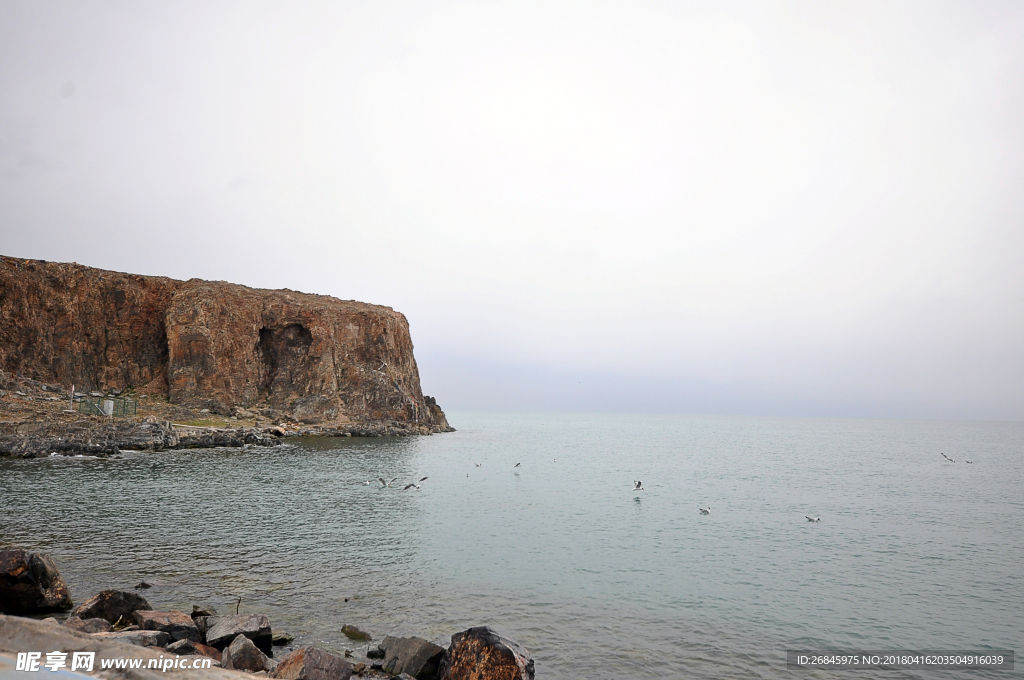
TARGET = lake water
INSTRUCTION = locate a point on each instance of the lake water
(596, 580)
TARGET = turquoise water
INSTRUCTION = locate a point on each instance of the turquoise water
(596, 580)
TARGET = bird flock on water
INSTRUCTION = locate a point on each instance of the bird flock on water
(637, 485)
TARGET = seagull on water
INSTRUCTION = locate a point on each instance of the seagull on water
(386, 485)
(637, 486)
(968, 461)
(705, 511)
(812, 519)
(479, 464)
(412, 484)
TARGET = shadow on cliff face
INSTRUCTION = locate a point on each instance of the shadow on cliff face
(284, 359)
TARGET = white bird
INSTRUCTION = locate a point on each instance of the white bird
(412, 484)
(812, 519)
(386, 485)
(637, 486)
(705, 511)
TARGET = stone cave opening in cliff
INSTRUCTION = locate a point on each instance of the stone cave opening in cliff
(283, 354)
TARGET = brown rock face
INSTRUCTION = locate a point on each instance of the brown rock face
(30, 584)
(483, 654)
(211, 344)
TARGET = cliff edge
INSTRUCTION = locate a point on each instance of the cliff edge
(211, 345)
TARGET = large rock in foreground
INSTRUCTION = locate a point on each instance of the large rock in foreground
(310, 663)
(111, 605)
(414, 656)
(483, 654)
(30, 584)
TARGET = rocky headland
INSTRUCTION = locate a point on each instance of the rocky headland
(205, 363)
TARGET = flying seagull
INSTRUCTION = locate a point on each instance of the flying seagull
(705, 511)
(479, 464)
(412, 484)
(637, 486)
(812, 519)
(517, 465)
(946, 457)
(386, 485)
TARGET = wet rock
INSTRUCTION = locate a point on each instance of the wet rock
(142, 585)
(411, 655)
(279, 639)
(31, 584)
(310, 663)
(191, 648)
(178, 625)
(140, 638)
(221, 630)
(242, 655)
(375, 653)
(483, 654)
(202, 610)
(353, 633)
(111, 605)
(89, 626)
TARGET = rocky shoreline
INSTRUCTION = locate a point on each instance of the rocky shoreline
(39, 420)
(31, 586)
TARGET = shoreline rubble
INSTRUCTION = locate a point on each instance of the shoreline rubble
(231, 643)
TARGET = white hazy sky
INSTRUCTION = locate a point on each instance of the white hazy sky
(798, 208)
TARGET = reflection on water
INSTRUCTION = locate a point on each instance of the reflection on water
(594, 579)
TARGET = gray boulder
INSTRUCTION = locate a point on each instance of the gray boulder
(484, 654)
(111, 605)
(415, 656)
(310, 663)
(31, 584)
(242, 655)
(222, 630)
(178, 625)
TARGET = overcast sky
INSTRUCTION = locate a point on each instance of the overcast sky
(793, 208)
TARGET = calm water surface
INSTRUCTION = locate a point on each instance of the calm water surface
(597, 581)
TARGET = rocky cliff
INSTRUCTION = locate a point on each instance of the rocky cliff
(213, 345)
